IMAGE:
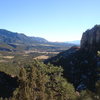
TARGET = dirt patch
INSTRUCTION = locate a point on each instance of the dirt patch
(41, 57)
(8, 57)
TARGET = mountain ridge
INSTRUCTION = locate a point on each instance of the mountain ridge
(13, 41)
(18, 37)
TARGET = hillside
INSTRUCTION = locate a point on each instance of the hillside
(82, 65)
(12, 37)
(12, 41)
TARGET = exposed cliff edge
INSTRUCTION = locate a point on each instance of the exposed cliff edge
(91, 39)
(81, 64)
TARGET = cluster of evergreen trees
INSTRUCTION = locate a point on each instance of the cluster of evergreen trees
(43, 82)
(38, 81)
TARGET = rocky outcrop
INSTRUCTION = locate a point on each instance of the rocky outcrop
(82, 65)
(91, 39)
(79, 67)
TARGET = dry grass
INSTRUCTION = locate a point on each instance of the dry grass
(35, 51)
(41, 57)
(8, 57)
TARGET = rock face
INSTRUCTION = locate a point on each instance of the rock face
(82, 65)
(91, 39)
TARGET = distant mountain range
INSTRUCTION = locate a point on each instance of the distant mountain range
(12, 37)
(77, 42)
(12, 41)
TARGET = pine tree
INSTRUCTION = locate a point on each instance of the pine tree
(22, 91)
(32, 83)
(41, 81)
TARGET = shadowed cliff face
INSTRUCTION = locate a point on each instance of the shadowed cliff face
(81, 64)
(7, 85)
(91, 39)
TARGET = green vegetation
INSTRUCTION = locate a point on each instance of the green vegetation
(24, 78)
(38, 81)
(42, 82)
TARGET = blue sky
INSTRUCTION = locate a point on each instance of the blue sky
(55, 20)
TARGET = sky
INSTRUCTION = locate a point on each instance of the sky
(54, 20)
